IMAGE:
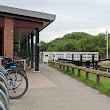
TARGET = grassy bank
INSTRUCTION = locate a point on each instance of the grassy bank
(103, 87)
(105, 63)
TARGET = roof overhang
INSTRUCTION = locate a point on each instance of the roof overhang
(21, 33)
(45, 18)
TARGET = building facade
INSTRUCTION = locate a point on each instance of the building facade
(20, 26)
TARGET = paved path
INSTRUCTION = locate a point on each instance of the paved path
(52, 90)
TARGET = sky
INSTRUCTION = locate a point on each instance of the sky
(91, 16)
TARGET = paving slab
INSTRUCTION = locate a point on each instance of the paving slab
(52, 90)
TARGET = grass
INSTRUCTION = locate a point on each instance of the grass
(103, 87)
(105, 63)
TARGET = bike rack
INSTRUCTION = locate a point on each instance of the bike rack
(3, 88)
(3, 76)
(6, 103)
(2, 107)
(2, 79)
(4, 92)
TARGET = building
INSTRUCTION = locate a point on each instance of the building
(19, 26)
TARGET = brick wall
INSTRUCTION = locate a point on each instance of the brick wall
(8, 36)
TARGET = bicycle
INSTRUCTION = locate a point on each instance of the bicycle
(7, 62)
(17, 81)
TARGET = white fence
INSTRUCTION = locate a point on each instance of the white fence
(86, 56)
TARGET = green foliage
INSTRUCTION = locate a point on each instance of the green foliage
(75, 35)
(43, 46)
(77, 41)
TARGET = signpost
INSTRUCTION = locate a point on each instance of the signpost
(106, 38)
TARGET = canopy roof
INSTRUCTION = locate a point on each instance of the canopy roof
(17, 13)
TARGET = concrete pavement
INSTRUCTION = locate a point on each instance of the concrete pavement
(52, 90)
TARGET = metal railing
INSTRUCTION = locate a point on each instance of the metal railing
(4, 95)
(2, 107)
(87, 56)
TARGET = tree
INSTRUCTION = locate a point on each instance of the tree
(43, 46)
(77, 41)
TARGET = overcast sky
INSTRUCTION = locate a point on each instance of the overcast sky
(91, 16)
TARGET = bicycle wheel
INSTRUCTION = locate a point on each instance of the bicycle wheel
(21, 69)
(18, 84)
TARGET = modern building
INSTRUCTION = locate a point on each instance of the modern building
(19, 26)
